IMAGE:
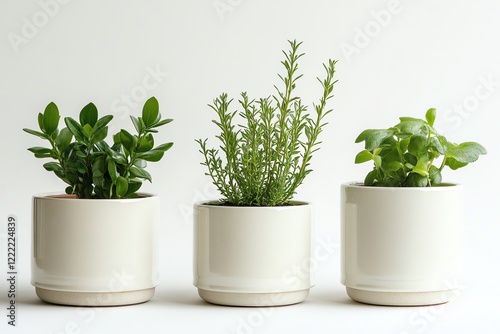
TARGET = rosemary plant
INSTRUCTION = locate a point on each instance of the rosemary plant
(266, 158)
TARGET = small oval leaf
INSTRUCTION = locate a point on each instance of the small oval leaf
(50, 118)
(150, 111)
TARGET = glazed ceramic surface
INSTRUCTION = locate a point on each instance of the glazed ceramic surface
(242, 253)
(401, 240)
(86, 246)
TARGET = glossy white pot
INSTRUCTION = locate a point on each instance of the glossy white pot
(93, 252)
(401, 246)
(252, 256)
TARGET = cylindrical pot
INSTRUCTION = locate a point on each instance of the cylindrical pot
(95, 252)
(401, 246)
(252, 256)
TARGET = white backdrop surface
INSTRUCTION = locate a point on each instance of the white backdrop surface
(395, 58)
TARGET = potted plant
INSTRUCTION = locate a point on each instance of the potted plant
(402, 226)
(252, 247)
(95, 244)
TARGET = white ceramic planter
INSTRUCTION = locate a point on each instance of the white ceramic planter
(252, 256)
(401, 246)
(94, 252)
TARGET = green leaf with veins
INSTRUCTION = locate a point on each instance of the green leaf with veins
(404, 154)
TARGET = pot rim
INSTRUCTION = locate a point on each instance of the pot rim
(57, 196)
(442, 187)
(216, 204)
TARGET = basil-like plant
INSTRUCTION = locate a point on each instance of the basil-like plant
(267, 157)
(91, 167)
(404, 154)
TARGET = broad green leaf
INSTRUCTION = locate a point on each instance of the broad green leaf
(444, 143)
(64, 139)
(146, 144)
(102, 122)
(117, 138)
(80, 151)
(410, 158)
(413, 126)
(430, 116)
(36, 133)
(97, 177)
(164, 147)
(140, 173)
(87, 130)
(421, 166)
(137, 124)
(363, 156)
(52, 166)
(390, 154)
(163, 122)
(118, 157)
(128, 140)
(454, 164)
(121, 186)
(41, 152)
(98, 170)
(378, 160)
(403, 144)
(50, 118)
(435, 176)
(152, 155)
(133, 187)
(80, 166)
(113, 173)
(392, 166)
(370, 178)
(437, 145)
(99, 135)
(391, 182)
(373, 137)
(75, 128)
(466, 152)
(150, 111)
(140, 163)
(89, 115)
(417, 145)
(40, 121)
(410, 119)
(416, 180)
(389, 143)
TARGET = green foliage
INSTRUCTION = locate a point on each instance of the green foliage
(91, 167)
(267, 157)
(403, 155)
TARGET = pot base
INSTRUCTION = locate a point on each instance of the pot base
(402, 298)
(253, 299)
(95, 298)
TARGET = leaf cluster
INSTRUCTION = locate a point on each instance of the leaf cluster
(90, 166)
(404, 155)
(262, 161)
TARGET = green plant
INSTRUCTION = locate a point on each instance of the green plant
(84, 160)
(403, 155)
(267, 158)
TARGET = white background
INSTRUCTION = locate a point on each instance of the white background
(396, 58)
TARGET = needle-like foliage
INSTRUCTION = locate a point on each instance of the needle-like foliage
(262, 161)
